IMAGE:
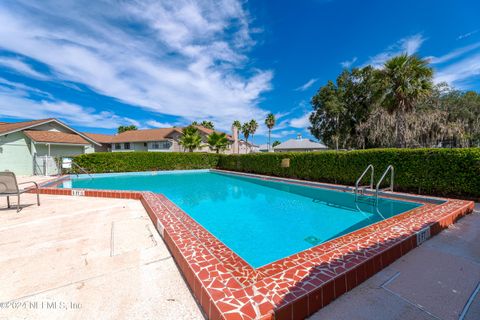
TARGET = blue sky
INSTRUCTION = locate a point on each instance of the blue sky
(100, 64)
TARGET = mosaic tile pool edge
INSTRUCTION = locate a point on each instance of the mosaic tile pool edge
(301, 284)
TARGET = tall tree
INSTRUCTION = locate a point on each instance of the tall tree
(339, 107)
(121, 129)
(270, 123)
(246, 131)
(405, 79)
(328, 120)
(217, 141)
(394, 106)
(190, 138)
(253, 127)
(207, 124)
(237, 124)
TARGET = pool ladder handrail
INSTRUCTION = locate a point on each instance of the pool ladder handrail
(369, 167)
(390, 188)
(83, 170)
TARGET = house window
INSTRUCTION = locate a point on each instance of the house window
(126, 145)
(160, 145)
(118, 146)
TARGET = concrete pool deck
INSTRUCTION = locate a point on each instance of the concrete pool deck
(87, 258)
(65, 252)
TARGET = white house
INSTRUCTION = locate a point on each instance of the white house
(163, 140)
(300, 144)
(28, 147)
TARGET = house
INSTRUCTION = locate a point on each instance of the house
(300, 144)
(162, 140)
(29, 147)
(265, 148)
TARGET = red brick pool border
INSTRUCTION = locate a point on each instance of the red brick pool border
(291, 288)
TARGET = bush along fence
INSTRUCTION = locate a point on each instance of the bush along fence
(440, 172)
(104, 162)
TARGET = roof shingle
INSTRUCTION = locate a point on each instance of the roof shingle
(55, 137)
(143, 135)
(9, 126)
(300, 144)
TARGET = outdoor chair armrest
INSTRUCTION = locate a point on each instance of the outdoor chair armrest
(36, 184)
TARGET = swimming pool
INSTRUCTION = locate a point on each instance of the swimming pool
(262, 221)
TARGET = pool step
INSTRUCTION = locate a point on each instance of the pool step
(366, 199)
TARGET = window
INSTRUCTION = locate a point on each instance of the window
(118, 146)
(126, 146)
(160, 145)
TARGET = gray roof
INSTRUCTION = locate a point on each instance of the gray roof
(300, 144)
(263, 146)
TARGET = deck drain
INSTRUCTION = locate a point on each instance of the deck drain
(312, 240)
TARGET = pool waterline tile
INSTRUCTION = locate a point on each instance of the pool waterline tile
(294, 287)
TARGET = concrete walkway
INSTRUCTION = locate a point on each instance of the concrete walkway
(87, 258)
(437, 280)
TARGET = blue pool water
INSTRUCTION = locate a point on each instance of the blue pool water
(262, 221)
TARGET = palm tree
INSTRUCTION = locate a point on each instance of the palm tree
(275, 143)
(217, 141)
(237, 124)
(190, 139)
(270, 122)
(246, 131)
(207, 124)
(253, 127)
(406, 79)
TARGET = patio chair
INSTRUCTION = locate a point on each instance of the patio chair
(9, 188)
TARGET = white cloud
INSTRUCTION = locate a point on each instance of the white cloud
(408, 45)
(348, 63)
(306, 85)
(132, 121)
(21, 67)
(182, 58)
(283, 133)
(300, 122)
(157, 124)
(459, 72)
(20, 101)
(453, 54)
(466, 35)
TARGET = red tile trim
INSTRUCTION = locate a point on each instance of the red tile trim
(294, 287)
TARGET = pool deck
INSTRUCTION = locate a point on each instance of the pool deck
(433, 281)
(88, 258)
(65, 252)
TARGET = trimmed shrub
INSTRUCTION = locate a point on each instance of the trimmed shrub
(441, 172)
(101, 162)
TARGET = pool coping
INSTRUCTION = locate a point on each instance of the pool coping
(291, 288)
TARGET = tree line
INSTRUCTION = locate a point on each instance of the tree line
(397, 105)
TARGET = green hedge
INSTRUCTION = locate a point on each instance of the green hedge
(145, 161)
(442, 172)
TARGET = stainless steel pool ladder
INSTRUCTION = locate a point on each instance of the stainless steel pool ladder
(390, 188)
(361, 189)
(82, 169)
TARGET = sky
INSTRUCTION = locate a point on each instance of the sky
(100, 64)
